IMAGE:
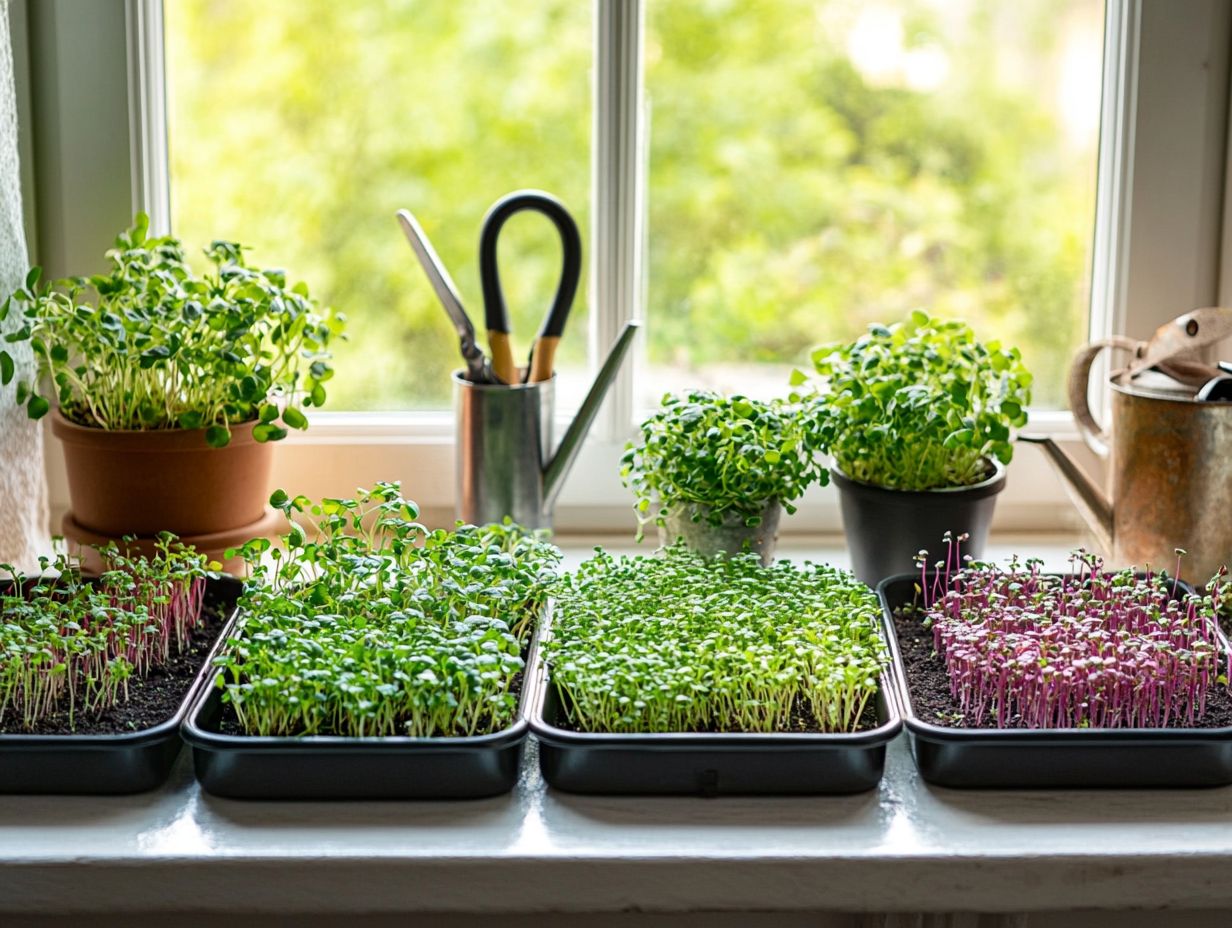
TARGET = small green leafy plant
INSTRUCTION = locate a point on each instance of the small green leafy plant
(919, 405)
(370, 625)
(71, 644)
(153, 345)
(679, 643)
(725, 453)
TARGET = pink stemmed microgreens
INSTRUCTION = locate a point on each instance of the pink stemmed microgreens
(1092, 649)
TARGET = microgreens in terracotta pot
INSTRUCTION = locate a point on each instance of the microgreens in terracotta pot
(680, 643)
(151, 344)
(710, 468)
(365, 623)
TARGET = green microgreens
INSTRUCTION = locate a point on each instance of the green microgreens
(919, 405)
(726, 453)
(678, 643)
(73, 644)
(371, 625)
(163, 348)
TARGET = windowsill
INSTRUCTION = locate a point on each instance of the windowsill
(906, 847)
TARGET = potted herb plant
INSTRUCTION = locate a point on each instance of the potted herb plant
(718, 470)
(96, 672)
(374, 658)
(165, 386)
(1016, 678)
(684, 674)
(918, 418)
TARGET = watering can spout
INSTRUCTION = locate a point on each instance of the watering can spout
(558, 468)
(1093, 503)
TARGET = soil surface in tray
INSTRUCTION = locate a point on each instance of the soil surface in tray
(229, 723)
(803, 722)
(929, 683)
(152, 699)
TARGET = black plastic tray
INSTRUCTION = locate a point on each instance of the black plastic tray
(109, 764)
(1073, 757)
(707, 764)
(335, 767)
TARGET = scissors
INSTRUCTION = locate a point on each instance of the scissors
(477, 367)
(496, 315)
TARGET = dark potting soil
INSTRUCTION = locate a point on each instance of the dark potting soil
(152, 699)
(229, 723)
(929, 682)
(803, 722)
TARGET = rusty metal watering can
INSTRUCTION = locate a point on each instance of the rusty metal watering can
(1169, 451)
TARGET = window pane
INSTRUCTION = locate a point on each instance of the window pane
(816, 165)
(298, 127)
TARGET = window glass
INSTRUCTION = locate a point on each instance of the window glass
(298, 127)
(816, 165)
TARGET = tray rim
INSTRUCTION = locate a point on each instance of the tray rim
(1060, 737)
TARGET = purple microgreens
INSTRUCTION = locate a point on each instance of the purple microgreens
(1092, 649)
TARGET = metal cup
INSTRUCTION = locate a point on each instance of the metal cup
(504, 443)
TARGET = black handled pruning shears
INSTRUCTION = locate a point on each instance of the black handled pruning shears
(496, 314)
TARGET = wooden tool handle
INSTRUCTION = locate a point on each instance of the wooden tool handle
(502, 357)
(543, 359)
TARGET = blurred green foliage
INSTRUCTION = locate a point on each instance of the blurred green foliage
(794, 196)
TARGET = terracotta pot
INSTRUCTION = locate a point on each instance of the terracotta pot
(146, 482)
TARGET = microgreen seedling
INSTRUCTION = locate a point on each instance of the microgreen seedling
(367, 624)
(678, 643)
(1094, 649)
(919, 405)
(159, 347)
(725, 453)
(73, 644)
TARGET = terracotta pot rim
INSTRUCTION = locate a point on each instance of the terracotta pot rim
(990, 486)
(158, 441)
(263, 527)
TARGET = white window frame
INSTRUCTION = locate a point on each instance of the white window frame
(1159, 246)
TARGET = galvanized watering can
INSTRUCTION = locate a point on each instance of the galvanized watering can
(506, 465)
(1169, 449)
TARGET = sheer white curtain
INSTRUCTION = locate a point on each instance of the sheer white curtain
(23, 486)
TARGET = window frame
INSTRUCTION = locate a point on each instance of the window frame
(1159, 230)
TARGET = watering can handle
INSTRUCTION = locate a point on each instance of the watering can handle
(1188, 332)
(1094, 434)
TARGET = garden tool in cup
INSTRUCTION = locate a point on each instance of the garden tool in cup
(506, 465)
(1168, 442)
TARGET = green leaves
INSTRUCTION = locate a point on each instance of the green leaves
(678, 643)
(159, 346)
(37, 407)
(6, 368)
(370, 625)
(727, 453)
(919, 405)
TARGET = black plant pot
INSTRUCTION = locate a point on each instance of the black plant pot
(886, 529)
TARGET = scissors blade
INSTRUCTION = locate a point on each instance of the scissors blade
(446, 292)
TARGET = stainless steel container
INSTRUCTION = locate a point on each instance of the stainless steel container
(504, 446)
